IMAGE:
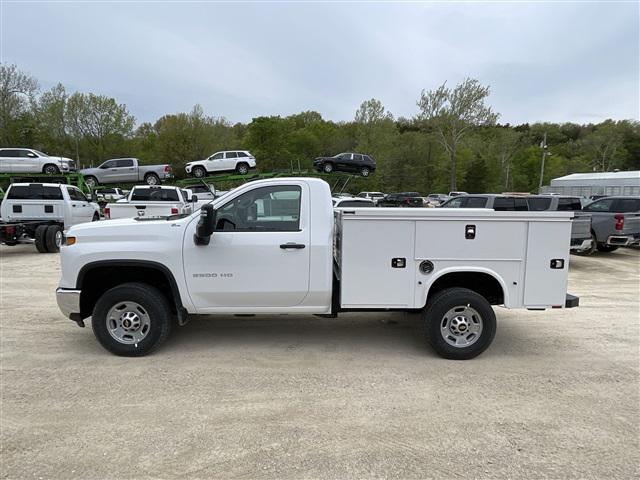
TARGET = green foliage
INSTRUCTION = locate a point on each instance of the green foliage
(453, 140)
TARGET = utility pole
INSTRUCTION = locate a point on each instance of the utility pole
(543, 146)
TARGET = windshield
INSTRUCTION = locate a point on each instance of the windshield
(42, 154)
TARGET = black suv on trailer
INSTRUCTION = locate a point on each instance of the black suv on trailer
(346, 162)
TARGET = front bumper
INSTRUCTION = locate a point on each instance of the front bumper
(581, 243)
(69, 304)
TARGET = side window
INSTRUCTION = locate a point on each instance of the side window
(357, 157)
(521, 204)
(539, 204)
(627, 205)
(108, 164)
(124, 163)
(454, 203)
(217, 156)
(232, 155)
(571, 204)
(354, 203)
(9, 153)
(266, 209)
(76, 194)
(603, 205)
(242, 154)
(367, 158)
(502, 204)
(345, 156)
(476, 202)
(26, 154)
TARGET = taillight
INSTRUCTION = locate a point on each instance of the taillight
(174, 211)
(167, 168)
(107, 212)
(619, 222)
(9, 229)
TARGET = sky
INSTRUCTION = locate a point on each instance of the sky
(544, 61)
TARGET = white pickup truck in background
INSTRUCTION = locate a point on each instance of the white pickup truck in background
(275, 247)
(152, 202)
(39, 212)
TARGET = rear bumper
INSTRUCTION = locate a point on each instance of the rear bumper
(623, 240)
(69, 304)
(571, 301)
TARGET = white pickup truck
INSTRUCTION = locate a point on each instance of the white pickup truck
(152, 202)
(275, 247)
(39, 212)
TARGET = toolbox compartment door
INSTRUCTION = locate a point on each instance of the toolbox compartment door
(373, 252)
(545, 283)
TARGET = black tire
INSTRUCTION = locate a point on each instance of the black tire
(242, 168)
(91, 182)
(365, 171)
(587, 251)
(40, 238)
(327, 167)
(54, 238)
(51, 169)
(96, 217)
(199, 172)
(606, 248)
(438, 324)
(151, 179)
(155, 305)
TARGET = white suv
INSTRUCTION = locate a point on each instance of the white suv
(239, 161)
(27, 160)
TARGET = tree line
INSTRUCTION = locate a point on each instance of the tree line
(454, 141)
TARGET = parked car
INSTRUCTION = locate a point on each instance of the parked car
(373, 196)
(28, 160)
(107, 195)
(457, 194)
(126, 170)
(615, 222)
(346, 162)
(580, 226)
(153, 201)
(40, 212)
(278, 247)
(355, 202)
(436, 199)
(239, 161)
(403, 199)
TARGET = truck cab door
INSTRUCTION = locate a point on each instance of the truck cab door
(258, 256)
(126, 170)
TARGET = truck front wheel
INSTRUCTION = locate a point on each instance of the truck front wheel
(460, 323)
(132, 319)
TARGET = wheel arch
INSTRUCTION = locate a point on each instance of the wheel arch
(95, 278)
(483, 281)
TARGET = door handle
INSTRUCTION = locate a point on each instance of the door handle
(292, 245)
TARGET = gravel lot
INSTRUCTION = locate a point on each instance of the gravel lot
(556, 395)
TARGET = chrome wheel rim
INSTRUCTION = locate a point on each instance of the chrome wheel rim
(242, 170)
(328, 168)
(128, 322)
(365, 172)
(198, 173)
(151, 180)
(58, 238)
(461, 326)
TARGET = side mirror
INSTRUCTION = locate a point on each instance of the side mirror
(206, 225)
(194, 198)
(32, 155)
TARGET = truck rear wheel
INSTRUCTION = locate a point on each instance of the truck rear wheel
(603, 247)
(151, 179)
(132, 319)
(53, 238)
(460, 323)
(40, 238)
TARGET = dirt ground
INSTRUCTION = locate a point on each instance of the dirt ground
(555, 396)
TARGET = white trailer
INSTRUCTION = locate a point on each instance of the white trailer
(596, 183)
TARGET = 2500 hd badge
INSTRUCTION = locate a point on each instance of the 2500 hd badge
(212, 275)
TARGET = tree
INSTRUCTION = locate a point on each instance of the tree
(605, 146)
(507, 143)
(17, 91)
(453, 112)
(100, 121)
